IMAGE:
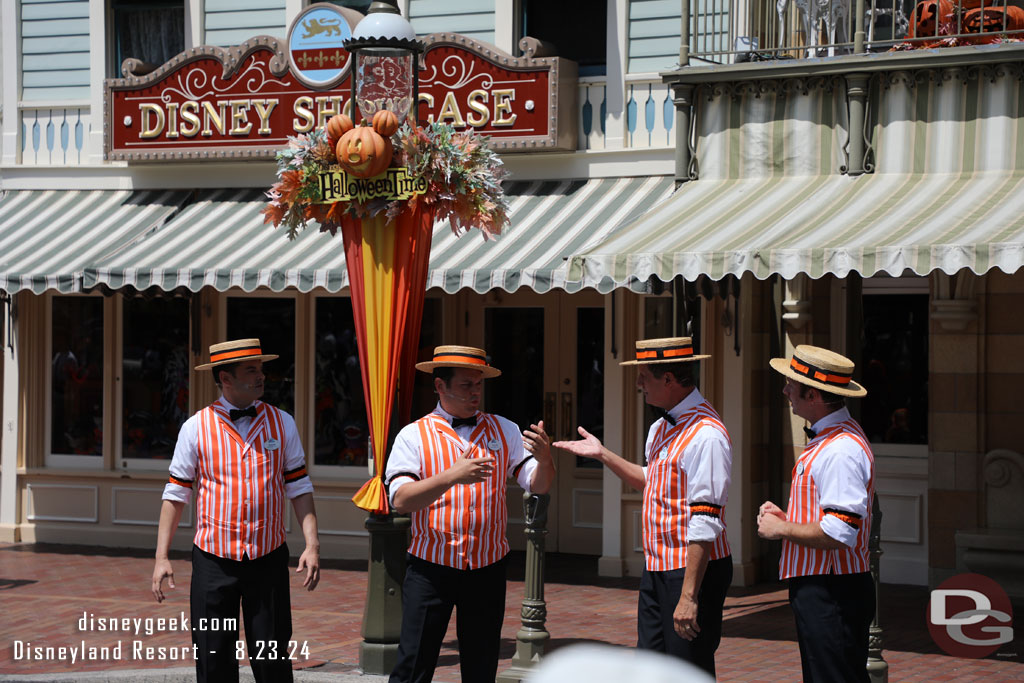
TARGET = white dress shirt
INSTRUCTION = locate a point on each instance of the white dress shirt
(842, 472)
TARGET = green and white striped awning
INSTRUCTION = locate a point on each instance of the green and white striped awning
(220, 240)
(48, 237)
(816, 225)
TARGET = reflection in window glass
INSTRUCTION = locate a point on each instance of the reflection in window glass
(272, 321)
(894, 357)
(515, 342)
(339, 409)
(77, 376)
(154, 376)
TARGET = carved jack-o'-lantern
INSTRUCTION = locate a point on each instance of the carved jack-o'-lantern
(929, 16)
(993, 19)
(337, 125)
(363, 152)
(385, 122)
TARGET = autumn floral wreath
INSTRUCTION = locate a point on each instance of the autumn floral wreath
(462, 174)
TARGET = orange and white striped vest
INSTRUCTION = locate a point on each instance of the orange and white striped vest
(240, 484)
(666, 510)
(804, 508)
(465, 527)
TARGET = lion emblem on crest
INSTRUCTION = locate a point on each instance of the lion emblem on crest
(316, 27)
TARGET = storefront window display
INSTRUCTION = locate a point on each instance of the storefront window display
(76, 376)
(272, 321)
(154, 376)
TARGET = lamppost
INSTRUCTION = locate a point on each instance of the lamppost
(385, 66)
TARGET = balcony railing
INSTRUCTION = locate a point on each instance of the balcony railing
(54, 135)
(730, 31)
(649, 114)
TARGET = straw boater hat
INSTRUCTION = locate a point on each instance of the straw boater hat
(459, 357)
(235, 351)
(664, 350)
(820, 368)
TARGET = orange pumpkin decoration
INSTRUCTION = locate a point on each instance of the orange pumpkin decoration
(363, 152)
(929, 16)
(385, 122)
(991, 19)
(337, 125)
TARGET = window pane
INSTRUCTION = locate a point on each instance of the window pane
(339, 409)
(152, 31)
(77, 376)
(515, 342)
(154, 376)
(340, 425)
(585, 43)
(894, 354)
(590, 376)
(272, 321)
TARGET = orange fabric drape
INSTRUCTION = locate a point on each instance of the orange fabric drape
(387, 269)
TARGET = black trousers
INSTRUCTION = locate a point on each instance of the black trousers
(659, 595)
(833, 614)
(261, 585)
(429, 593)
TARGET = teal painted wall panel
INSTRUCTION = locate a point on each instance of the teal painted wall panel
(651, 9)
(654, 33)
(474, 18)
(230, 22)
(642, 65)
(55, 50)
(655, 47)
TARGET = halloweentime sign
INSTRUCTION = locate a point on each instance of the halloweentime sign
(244, 102)
(395, 183)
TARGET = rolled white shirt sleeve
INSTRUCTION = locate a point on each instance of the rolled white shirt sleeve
(405, 463)
(841, 475)
(708, 464)
(183, 462)
(294, 459)
(521, 463)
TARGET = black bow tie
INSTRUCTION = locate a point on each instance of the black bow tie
(810, 433)
(662, 413)
(245, 412)
(464, 422)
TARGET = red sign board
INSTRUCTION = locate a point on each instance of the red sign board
(244, 102)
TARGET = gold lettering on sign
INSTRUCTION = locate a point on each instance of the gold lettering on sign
(503, 115)
(450, 110)
(148, 112)
(190, 113)
(264, 109)
(326, 107)
(477, 102)
(172, 120)
(240, 124)
(303, 108)
(214, 115)
(395, 183)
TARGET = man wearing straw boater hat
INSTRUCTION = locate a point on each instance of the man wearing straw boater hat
(450, 470)
(242, 457)
(825, 529)
(688, 564)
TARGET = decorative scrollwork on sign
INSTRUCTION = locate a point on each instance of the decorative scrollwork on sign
(195, 84)
(457, 72)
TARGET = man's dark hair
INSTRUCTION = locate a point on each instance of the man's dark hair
(827, 397)
(683, 372)
(230, 368)
(444, 374)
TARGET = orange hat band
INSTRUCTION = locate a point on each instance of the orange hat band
(236, 354)
(811, 372)
(665, 353)
(449, 357)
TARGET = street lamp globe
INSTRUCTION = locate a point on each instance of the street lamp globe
(385, 64)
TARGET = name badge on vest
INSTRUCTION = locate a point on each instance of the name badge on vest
(493, 444)
(664, 453)
(271, 445)
(799, 468)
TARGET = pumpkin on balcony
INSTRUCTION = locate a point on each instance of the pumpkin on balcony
(993, 19)
(931, 18)
(385, 122)
(363, 152)
(337, 125)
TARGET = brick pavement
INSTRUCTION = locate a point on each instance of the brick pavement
(45, 589)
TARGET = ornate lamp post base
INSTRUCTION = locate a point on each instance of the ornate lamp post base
(382, 617)
(532, 636)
